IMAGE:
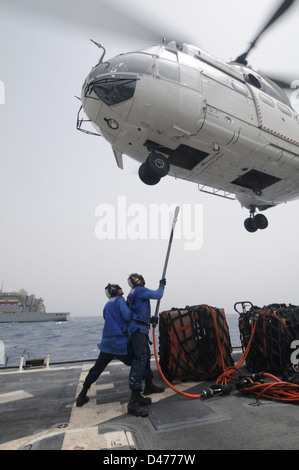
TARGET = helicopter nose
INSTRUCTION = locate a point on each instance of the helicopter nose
(114, 89)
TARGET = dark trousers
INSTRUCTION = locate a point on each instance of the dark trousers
(101, 363)
(140, 367)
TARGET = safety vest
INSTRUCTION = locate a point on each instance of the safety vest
(141, 309)
(114, 325)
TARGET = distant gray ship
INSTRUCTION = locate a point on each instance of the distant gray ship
(21, 307)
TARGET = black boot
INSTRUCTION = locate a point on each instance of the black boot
(145, 401)
(150, 387)
(82, 398)
(135, 407)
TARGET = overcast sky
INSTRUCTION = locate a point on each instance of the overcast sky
(54, 179)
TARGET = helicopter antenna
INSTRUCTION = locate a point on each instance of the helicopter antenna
(281, 10)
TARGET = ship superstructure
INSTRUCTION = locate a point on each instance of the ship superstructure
(21, 307)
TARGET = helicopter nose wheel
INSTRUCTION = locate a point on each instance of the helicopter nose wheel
(255, 222)
(153, 169)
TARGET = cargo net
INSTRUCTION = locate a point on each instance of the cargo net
(277, 325)
(194, 343)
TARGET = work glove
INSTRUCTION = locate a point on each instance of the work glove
(154, 321)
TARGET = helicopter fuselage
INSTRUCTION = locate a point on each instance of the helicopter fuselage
(221, 125)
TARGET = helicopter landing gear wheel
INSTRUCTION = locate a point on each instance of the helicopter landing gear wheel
(260, 221)
(157, 165)
(154, 168)
(145, 177)
(255, 222)
(250, 225)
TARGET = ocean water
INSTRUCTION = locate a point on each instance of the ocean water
(73, 340)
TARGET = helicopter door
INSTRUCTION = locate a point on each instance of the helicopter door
(191, 101)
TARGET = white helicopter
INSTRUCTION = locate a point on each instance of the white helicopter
(179, 111)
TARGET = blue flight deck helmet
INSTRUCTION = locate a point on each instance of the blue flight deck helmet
(135, 280)
(112, 290)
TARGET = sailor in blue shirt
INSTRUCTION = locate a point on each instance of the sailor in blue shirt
(114, 342)
(138, 331)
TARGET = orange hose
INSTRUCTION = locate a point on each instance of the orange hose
(277, 390)
(163, 376)
(223, 379)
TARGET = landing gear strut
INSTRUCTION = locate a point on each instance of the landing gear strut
(153, 169)
(255, 222)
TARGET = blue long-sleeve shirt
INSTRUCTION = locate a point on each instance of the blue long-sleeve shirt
(117, 345)
(142, 294)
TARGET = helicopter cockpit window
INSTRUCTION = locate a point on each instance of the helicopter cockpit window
(114, 89)
(169, 70)
(135, 62)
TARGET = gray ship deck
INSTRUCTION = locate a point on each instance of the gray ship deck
(38, 412)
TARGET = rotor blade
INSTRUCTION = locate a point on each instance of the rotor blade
(284, 84)
(101, 15)
(281, 10)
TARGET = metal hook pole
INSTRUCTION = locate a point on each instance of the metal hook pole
(176, 213)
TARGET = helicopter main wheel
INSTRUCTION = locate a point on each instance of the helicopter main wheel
(255, 222)
(147, 178)
(157, 165)
(260, 221)
(250, 225)
(153, 169)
